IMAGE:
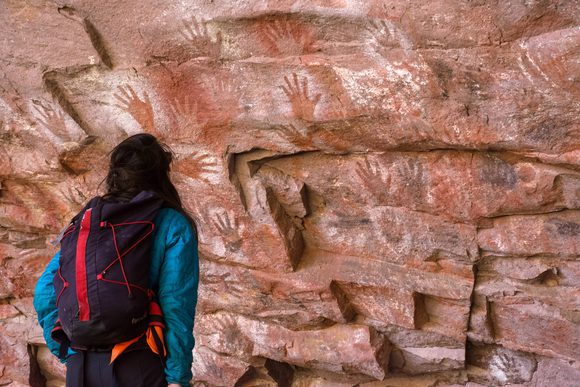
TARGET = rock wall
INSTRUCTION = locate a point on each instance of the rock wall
(387, 192)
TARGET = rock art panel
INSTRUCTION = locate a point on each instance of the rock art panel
(386, 193)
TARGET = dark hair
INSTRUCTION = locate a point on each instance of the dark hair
(139, 163)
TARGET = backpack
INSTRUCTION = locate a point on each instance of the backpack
(102, 280)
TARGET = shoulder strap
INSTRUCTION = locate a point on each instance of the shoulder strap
(92, 203)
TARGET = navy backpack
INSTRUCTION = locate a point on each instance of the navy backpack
(102, 290)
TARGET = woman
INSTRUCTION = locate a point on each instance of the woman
(141, 163)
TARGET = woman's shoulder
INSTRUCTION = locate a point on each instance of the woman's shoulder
(170, 220)
(170, 216)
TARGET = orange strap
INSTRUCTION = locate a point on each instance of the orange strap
(151, 340)
(118, 349)
(155, 330)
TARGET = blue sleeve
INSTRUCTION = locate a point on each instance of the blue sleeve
(45, 303)
(177, 293)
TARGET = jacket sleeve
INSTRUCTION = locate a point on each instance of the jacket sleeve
(177, 293)
(45, 303)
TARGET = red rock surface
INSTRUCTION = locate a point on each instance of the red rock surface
(387, 192)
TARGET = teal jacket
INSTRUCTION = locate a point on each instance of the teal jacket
(174, 277)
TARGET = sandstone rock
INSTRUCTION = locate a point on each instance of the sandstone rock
(35, 205)
(79, 158)
(373, 182)
(555, 372)
(36, 32)
(458, 378)
(8, 311)
(481, 184)
(392, 234)
(493, 365)
(337, 90)
(515, 303)
(215, 368)
(552, 234)
(418, 352)
(548, 271)
(25, 153)
(567, 159)
(14, 349)
(53, 370)
(536, 328)
(377, 303)
(340, 348)
(292, 304)
(21, 272)
(311, 284)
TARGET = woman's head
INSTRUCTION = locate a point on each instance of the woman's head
(141, 163)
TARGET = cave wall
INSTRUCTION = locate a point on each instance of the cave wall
(387, 192)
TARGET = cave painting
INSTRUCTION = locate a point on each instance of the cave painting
(186, 115)
(140, 109)
(228, 226)
(51, 118)
(386, 35)
(372, 228)
(303, 105)
(299, 138)
(198, 165)
(226, 95)
(195, 32)
(286, 37)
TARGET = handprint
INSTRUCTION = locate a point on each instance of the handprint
(411, 175)
(197, 165)
(294, 136)
(51, 119)
(410, 171)
(196, 33)
(186, 115)
(140, 110)
(302, 106)
(237, 343)
(387, 35)
(228, 226)
(226, 95)
(225, 286)
(287, 38)
(373, 178)
(381, 32)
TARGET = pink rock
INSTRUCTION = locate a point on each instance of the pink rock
(340, 348)
(216, 368)
(369, 179)
(293, 304)
(392, 234)
(8, 311)
(497, 365)
(52, 369)
(555, 372)
(388, 306)
(555, 234)
(425, 181)
(535, 328)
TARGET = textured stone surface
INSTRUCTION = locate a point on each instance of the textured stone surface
(387, 192)
(339, 348)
